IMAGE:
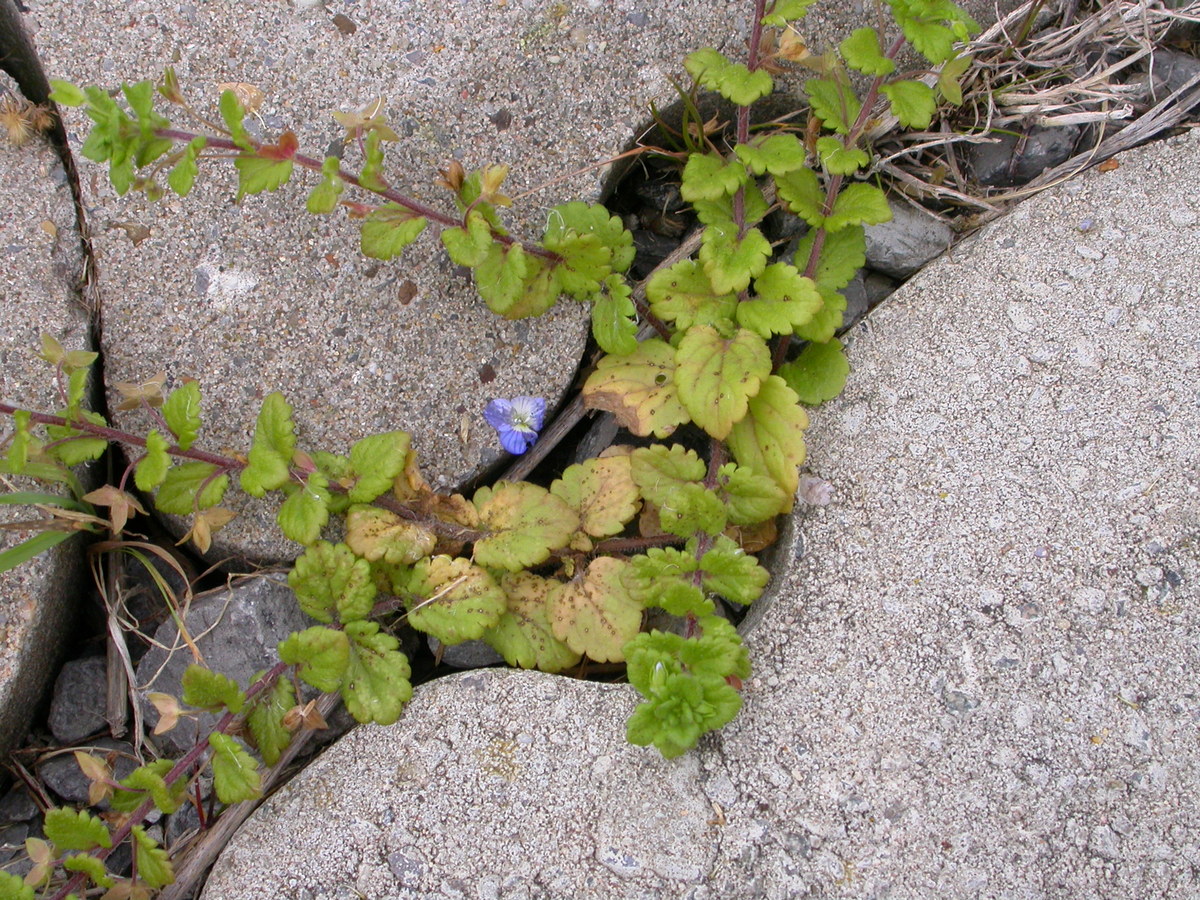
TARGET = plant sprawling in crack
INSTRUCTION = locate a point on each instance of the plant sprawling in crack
(545, 575)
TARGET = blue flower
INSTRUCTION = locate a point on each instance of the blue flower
(517, 421)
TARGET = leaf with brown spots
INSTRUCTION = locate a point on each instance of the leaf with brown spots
(716, 376)
(595, 615)
(639, 390)
(770, 440)
(523, 635)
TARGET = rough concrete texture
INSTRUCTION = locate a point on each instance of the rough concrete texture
(235, 629)
(980, 679)
(42, 264)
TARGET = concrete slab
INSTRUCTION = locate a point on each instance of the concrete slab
(42, 265)
(980, 679)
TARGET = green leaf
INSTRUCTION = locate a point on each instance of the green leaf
(933, 26)
(594, 615)
(322, 654)
(388, 230)
(377, 460)
(233, 113)
(587, 253)
(691, 509)
(379, 534)
(69, 829)
(151, 469)
(833, 102)
(715, 376)
(658, 470)
(14, 888)
(273, 447)
(22, 442)
(153, 864)
(784, 11)
(265, 718)
(370, 177)
(783, 301)
(732, 573)
(377, 684)
(523, 634)
(948, 84)
(256, 174)
(818, 373)
(306, 510)
(211, 690)
(733, 81)
(75, 448)
(235, 773)
(329, 580)
(822, 327)
(862, 52)
(913, 102)
(178, 493)
(837, 159)
(639, 389)
(614, 318)
(750, 497)
(89, 865)
(777, 154)
(469, 246)
(770, 439)
(843, 253)
(708, 176)
(585, 218)
(663, 578)
(684, 295)
(730, 262)
(183, 175)
(150, 779)
(602, 492)
(680, 709)
(500, 278)
(454, 600)
(858, 204)
(66, 94)
(181, 410)
(525, 522)
(21, 553)
(324, 197)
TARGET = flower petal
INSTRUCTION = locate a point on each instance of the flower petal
(515, 442)
(499, 414)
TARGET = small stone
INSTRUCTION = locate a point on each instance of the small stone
(467, 655)
(17, 806)
(1015, 160)
(910, 240)
(1104, 842)
(62, 774)
(77, 709)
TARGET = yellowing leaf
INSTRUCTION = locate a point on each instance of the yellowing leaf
(715, 376)
(770, 440)
(602, 492)
(595, 615)
(639, 390)
(523, 635)
(526, 522)
(456, 601)
(376, 534)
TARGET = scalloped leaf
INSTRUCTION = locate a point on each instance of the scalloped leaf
(639, 389)
(152, 468)
(152, 862)
(306, 510)
(720, 211)
(388, 230)
(181, 410)
(842, 255)
(588, 218)
(265, 719)
(329, 580)
(708, 176)
(377, 460)
(777, 154)
(828, 320)
(663, 577)
(732, 573)
(783, 301)
(614, 317)
(692, 509)
(211, 690)
(684, 295)
(733, 81)
(272, 449)
(454, 600)
(523, 635)
(730, 262)
(833, 102)
(595, 615)
(500, 278)
(858, 204)
(658, 470)
(70, 829)
(235, 773)
(716, 376)
(801, 190)
(602, 492)
(379, 534)
(750, 497)
(861, 51)
(784, 11)
(469, 246)
(526, 522)
(770, 439)
(818, 373)
(838, 159)
(933, 26)
(181, 491)
(377, 683)
(321, 653)
(913, 103)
